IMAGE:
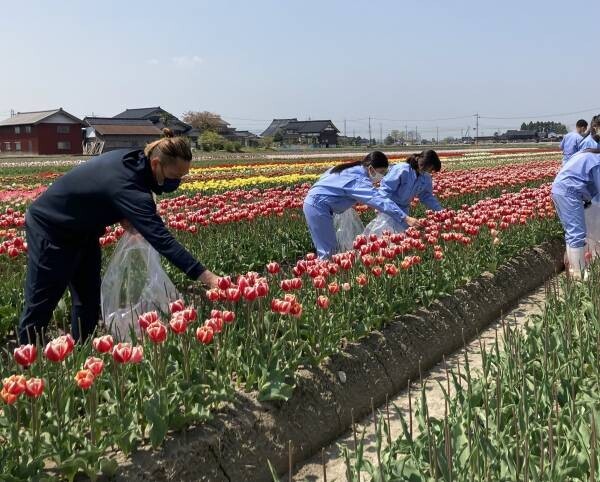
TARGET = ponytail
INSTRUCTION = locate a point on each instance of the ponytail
(424, 160)
(374, 159)
(169, 148)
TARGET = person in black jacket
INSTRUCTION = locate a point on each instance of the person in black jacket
(64, 224)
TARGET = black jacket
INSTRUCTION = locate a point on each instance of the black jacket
(101, 192)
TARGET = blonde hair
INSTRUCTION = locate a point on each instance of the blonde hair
(169, 148)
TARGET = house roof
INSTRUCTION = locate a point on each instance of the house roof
(140, 113)
(32, 118)
(123, 127)
(244, 134)
(309, 127)
(275, 125)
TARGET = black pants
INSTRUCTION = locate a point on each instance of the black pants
(52, 267)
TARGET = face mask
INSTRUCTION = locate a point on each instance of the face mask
(376, 177)
(170, 185)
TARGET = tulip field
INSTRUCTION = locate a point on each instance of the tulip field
(67, 409)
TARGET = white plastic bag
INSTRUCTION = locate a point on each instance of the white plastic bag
(134, 283)
(347, 226)
(382, 223)
(592, 226)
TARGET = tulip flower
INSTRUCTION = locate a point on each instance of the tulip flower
(376, 270)
(103, 344)
(216, 324)
(228, 317)
(8, 397)
(137, 354)
(204, 334)
(361, 279)
(233, 294)
(178, 323)
(84, 379)
(146, 319)
(95, 365)
(25, 355)
(323, 302)
(212, 294)
(34, 387)
(250, 293)
(122, 352)
(391, 270)
(333, 288)
(157, 332)
(224, 283)
(262, 289)
(176, 306)
(58, 349)
(273, 268)
(319, 282)
(190, 314)
(15, 384)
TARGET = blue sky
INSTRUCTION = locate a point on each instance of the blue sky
(403, 63)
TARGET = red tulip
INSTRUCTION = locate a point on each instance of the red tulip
(319, 282)
(391, 270)
(157, 332)
(333, 288)
(438, 255)
(122, 352)
(103, 344)
(204, 334)
(361, 279)
(250, 293)
(15, 384)
(376, 270)
(8, 398)
(84, 379)
(323, 302)
(228, 317)
(25, 355)
(146, 319)
(137, 354)
(216, 324)
(176, 306)
(35, 387)
(58, 349)
(273, 268)
(178, 323)
(262, 289)
(190, 314)
(224, 283)
(213, 294)
(95, 365)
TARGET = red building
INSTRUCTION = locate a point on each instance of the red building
(43, 132)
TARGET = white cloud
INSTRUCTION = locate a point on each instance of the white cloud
(152, 62)
(186, 62)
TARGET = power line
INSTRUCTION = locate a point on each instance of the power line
(594, 109)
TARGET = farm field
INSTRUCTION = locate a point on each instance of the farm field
(68, 409)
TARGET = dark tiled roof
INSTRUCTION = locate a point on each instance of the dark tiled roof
(309, 127)
(276, 125)
(137, 113)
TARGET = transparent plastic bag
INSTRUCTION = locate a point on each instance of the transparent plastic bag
(592, 226)
(347, 226)
(382, 223)
(134, 283)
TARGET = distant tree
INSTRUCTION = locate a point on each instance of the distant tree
(544, 126)
(167, 119)
(278, 137)
(203, 121)
(266, 142)
(389, 140)
(211, 141)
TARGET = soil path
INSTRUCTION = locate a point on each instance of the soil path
(312, 470)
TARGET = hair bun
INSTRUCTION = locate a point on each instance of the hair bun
(167, 132)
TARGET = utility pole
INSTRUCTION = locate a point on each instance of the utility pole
(405, 133)
(345, 128)
(416, 134)
(370, 137)
(12, 112)
(380, 133)
(476, 129)
(437, 135)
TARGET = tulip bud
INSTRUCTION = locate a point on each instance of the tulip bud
(84, 379)
(25, 355)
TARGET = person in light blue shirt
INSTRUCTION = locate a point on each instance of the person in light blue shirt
(570, 143)
(339, 189)
(576, 184)
(410, 179)
(592, 139)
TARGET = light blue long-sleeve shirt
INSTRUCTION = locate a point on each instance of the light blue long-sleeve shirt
(340, 191)
(401, 184)
(588, 142)
(580, 177)
(570, 145)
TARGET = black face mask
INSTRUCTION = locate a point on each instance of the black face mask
(169, 184)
